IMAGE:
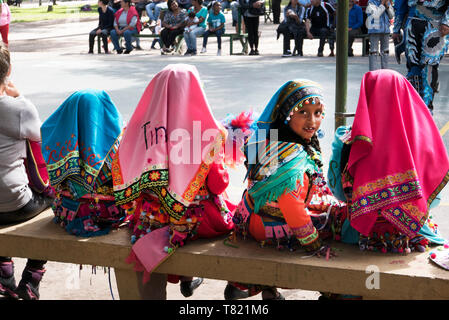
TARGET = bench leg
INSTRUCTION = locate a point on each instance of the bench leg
(244, 42)
(231, 43)
(131, 287)
(127, 284)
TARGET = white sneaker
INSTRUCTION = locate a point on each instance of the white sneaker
(219, 52)
(203, 50)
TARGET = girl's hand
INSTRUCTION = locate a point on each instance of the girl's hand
(11, 90)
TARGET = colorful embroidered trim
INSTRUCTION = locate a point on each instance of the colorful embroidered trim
(174, 208)
(385, 197)
(304, 231)
(196, 183)
(388, 181)
(309, 239)
(72, 166)
(148, 180)
(277, 230)
(438, 190)
(403, 216)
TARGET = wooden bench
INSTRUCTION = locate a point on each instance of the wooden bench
(400, 277)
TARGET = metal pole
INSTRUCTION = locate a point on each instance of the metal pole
(342, 63)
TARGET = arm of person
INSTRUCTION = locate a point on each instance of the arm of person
(308, 24)
(30, 122)
(132, 24)
(293, 208)
(389, 9)
(116, 27)
(375, 11)
(359, 21)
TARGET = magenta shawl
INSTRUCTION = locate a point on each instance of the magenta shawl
(169, 142)
(398, 159)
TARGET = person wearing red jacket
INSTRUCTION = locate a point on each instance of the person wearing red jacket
(126, 24)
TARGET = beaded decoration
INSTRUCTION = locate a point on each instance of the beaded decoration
(312, 100)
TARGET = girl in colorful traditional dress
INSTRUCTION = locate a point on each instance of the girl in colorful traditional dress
(79, 141)
(390, 193)
(285, 178)
(169, 167)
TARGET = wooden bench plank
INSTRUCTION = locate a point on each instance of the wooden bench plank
(410, 276)
(41, 238)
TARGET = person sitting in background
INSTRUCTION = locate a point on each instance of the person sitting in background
(105, 25)
(154, 8)
(319, 24)
(19, 202)
(196, 29)
(354, 24)
(293, 27)
(216, 23)
(126, 24)
(173, 25)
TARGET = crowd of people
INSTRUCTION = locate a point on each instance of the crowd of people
(418, 29)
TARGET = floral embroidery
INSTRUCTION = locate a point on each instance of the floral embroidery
(155, 175)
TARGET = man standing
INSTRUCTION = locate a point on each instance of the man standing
(319, 24)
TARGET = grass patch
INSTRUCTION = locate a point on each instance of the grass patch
(59, 12)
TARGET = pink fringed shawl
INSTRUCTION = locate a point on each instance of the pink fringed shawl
(398, 159)
(169, 142)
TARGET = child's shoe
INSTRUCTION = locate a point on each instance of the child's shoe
(203, 50)
(7, 280)
(219, 52)
(28, 288)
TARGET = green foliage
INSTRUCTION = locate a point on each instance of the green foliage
(19, 14)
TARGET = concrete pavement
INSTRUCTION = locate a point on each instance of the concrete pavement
(50, 61)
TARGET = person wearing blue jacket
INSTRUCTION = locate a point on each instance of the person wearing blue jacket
(354, 25)
(379, 13)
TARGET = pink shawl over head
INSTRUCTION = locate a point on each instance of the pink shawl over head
(398, 159)
(169, 141)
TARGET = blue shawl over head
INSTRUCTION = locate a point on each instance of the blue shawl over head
(77, 138)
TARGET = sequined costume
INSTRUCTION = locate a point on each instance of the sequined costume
(424, 44)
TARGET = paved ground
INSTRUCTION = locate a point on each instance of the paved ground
(50, 61)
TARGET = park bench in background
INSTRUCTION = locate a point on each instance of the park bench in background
(400, 277)
(239, 35)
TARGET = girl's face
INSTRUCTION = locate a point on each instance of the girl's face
(217, 7)
(307, 120)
